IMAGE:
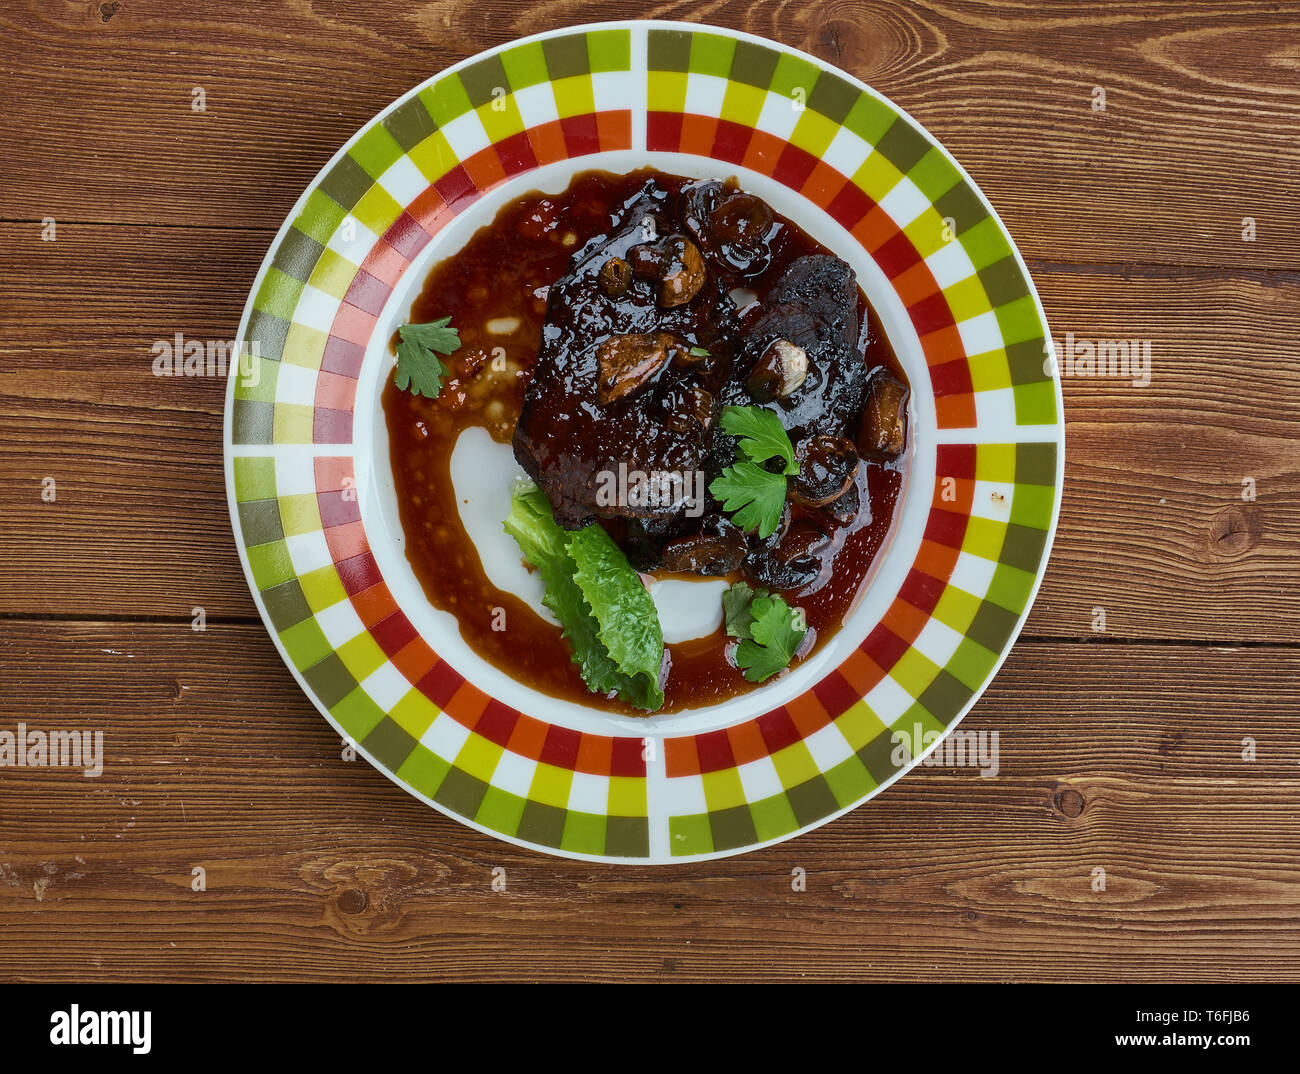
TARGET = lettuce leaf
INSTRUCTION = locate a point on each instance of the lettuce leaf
(544, 545)
(629, 623)
(605, 613)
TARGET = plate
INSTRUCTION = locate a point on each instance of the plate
(311, 489)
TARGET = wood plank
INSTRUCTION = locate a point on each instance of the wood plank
(1154, 528)
(1124, 757)
(101, 125)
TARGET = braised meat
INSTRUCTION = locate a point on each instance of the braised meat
(642, 347)
(636, 347)
(811, 310)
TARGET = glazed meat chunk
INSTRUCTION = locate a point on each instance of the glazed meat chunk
(642, 346)
(636, 348)
(813, 309)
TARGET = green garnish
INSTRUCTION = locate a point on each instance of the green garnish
(604, 611)
(419, 369)
(769, 630)
(776, 637)
(761, 435)
(751, 493)
(621, 604)
(735, 607)
(701, 352)
(752, 496)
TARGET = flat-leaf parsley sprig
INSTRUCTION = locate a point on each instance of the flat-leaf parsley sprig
(419, 369)
(770, 631)
(751, 493)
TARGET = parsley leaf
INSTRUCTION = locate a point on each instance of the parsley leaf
(754, 497)
(761, 435)
(701, 352)
(776, 631)
(419, 369)
(770, 631)
(751, 493)
(735, 606)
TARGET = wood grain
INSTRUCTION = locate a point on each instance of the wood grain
(1127, 758)
(1121, 750)
(99, 124)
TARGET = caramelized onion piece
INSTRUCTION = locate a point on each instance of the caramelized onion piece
(883, 432)
(615, 277)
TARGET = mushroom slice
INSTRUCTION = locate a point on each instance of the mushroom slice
(741, 227)
(675, 262)
(629, 362)
(846, 509)
(827, 468)
(734, 230)
(718, 548)
(795, 560)
(883, 431)
(683, 276)
(779, 372)
(692, 405)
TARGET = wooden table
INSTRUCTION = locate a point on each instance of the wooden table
(1122, 749)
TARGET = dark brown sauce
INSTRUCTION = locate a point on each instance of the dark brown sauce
(500, 276)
